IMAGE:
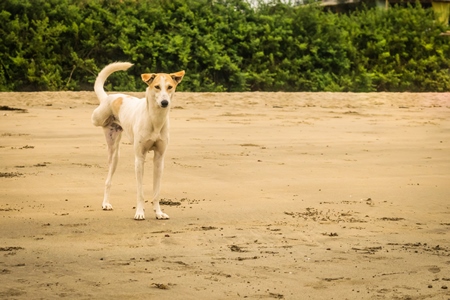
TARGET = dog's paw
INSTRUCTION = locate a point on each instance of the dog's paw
(139, 216)
(162, 216)
(107, 206)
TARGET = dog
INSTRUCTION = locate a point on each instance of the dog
(145, 122)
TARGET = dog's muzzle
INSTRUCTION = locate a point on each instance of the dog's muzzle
(164, 103)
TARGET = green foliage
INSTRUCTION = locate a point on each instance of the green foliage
(224, 45)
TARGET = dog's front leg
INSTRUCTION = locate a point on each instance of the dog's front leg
(139, 169)
(158, 167)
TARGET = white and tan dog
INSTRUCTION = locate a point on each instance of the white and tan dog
(145, 122)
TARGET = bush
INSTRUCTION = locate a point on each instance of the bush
(224, 45)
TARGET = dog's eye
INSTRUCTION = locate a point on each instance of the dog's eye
(157, 87)
(169, 87)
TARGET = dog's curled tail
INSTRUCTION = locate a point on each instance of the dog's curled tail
(103, 75)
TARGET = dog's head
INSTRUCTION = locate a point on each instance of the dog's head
(162, 86)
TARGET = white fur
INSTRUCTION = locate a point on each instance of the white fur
(146, 123)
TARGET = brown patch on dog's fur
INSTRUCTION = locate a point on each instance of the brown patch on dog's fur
(115, 105)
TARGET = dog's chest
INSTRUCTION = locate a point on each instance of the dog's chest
(152, 141)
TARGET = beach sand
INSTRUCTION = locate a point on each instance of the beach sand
(271, 196)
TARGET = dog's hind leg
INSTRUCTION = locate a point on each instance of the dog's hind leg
(113, 133)
(101, 116)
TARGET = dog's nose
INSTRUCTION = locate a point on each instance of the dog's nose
(164, 103)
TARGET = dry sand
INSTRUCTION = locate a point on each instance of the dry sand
(271, 196)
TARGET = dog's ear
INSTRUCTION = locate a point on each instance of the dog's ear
(178, 76)
(148, 78)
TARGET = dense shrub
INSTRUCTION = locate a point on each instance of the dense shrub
(224, 45)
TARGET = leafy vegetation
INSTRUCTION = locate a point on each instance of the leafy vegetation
(224, 45)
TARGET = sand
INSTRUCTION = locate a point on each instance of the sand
(271, 196)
